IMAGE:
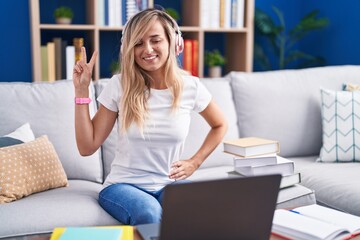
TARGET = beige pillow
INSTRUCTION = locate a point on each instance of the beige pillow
(29, 168)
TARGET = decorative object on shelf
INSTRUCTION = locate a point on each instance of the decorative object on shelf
(214, 60)
(280, 42)
(63, 15)
(115, 67)
(78, 44)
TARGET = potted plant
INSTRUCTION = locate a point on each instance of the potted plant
(173, 13)
(63, 15)
(115, 67)
(214, 60)
(281, 44)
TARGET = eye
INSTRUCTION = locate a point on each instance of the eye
(156, 40)
(138, 44)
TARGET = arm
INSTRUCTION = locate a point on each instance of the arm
(90, 133)
(215, 118)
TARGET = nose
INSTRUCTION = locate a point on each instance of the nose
(148, 47)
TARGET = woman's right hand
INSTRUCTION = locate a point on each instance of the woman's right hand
(82, 73)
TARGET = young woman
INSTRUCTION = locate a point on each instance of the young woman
(151, 100)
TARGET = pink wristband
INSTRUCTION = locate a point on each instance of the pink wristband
(82, 100)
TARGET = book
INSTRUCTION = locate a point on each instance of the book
(127, 232)
(265, 159)
(51, 61)
(283, 166)
(195, 58)
(58, 57)
(315, 222)
(286, 180)
(187, 55)
(44, 64)
(251, 146)
(89, 233)
(70, 61)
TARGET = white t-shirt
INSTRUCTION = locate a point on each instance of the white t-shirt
(145, 160)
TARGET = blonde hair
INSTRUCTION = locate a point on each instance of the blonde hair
(135, 82)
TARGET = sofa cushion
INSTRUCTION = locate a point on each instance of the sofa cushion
(20, 135)
(49, 109)
(341, 125)
(284, 105)
(221, 91)
(336, 185)
(29, 168)
(75, 205)
(108, 148)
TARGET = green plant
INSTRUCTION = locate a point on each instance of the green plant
(173, 13)
(115, 67)
(281, 43)
(214, 58)
(63, 12)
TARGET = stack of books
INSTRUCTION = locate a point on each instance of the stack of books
(255, 156)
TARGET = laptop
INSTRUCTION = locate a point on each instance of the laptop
(236, 208)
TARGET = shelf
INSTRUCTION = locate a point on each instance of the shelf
(236, 43)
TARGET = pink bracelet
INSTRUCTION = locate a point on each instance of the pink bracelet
(81, 101)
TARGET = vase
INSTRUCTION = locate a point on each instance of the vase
(63, 20)
(215, 71)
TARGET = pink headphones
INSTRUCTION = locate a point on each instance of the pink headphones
(179, 41)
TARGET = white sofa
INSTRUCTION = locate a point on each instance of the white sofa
(281, 105)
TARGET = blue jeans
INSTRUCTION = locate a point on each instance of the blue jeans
(132, 205)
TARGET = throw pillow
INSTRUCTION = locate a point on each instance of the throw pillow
(29, 168)
(20, 135)
(351, 87)
(341, 126)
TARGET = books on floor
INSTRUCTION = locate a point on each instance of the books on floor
(251, 146)
(315, 222)
(286, 180)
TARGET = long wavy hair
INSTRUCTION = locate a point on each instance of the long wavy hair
(135, 82)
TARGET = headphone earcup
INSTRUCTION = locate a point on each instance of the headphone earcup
(179, 44)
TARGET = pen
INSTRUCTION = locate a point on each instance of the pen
(295, 211)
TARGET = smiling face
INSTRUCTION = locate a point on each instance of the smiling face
(152, 50)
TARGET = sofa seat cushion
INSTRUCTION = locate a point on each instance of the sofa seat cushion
(289, 197)
(285, 105)
(75, 205)
(49, 109)
(335, 184)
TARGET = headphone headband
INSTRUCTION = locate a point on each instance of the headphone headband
(179, 42)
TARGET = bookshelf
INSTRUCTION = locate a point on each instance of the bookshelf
(237, 43)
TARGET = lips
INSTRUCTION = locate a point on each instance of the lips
(150, 58)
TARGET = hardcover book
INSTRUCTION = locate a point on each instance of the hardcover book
(283, 166)
(266, 159)
(286, 180)
(251, 146)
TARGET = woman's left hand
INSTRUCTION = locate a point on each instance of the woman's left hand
(182, 169)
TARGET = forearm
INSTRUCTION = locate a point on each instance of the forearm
(83, 124)
(212, 140)
(84, 130)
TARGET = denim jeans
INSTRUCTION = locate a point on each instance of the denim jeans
(132, 205)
